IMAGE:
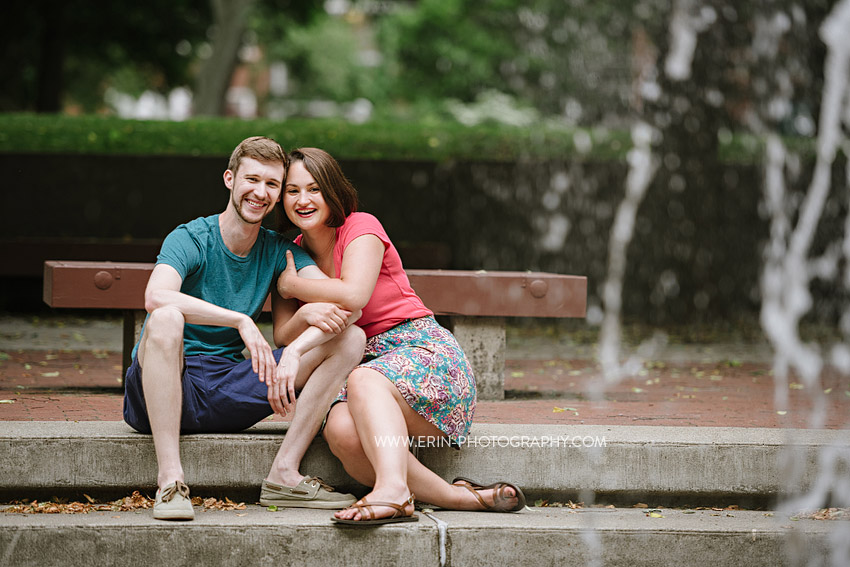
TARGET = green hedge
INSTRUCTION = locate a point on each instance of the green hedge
(217, 136)
(425, 140)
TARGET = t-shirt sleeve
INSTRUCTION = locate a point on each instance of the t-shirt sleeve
(359, 224)
(302, 259)
(180, 251)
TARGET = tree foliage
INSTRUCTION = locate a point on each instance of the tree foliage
(69, 52)
(533, 50)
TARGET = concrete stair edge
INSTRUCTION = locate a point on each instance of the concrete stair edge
(540, 536)
(548, 461)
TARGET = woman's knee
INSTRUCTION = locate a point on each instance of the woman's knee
(362, 382)
(341, 434)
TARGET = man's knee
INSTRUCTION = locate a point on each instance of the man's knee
(352, 341)
(164, 328)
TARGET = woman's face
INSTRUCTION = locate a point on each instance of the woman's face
(302, 199)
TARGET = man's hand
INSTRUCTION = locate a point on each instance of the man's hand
(287, 277)
(328, 317)
(282, 391)
(262, 359)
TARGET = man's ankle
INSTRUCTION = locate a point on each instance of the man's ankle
(164, 480)
(285, 478)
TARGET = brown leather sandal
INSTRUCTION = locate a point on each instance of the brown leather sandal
(365, 509)
(500, 498)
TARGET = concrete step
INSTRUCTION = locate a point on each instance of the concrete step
(619, 464)
(536, 536)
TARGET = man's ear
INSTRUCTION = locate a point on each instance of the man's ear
(228, 179)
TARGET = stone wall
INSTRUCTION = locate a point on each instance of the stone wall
(696, 253)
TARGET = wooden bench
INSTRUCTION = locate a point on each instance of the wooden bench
(476, 302)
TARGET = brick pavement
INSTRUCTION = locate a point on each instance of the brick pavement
(84, 385)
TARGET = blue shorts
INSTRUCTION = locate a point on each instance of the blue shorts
(219, 396)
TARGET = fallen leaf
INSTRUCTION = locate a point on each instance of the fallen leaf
(640, 505)
(558, 410)
(517, 374)
(27, 366)
(781, 412)
(50, 374)
(828, 390)
(688, 512)
(637, 390)
(795, 386)
(272, 508)
(7, 401)
(4, 356)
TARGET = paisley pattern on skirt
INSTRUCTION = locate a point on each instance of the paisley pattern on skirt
(429, 368)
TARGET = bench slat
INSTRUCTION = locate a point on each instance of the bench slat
(120, 285)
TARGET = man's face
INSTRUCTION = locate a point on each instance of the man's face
(254, 189)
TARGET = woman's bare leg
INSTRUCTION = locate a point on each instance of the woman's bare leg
(341, 433)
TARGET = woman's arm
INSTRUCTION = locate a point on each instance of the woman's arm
(361, 264)
(290, 321)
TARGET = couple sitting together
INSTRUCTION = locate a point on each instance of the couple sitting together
(339, 286)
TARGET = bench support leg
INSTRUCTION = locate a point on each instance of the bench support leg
(483, 341)
(133, 320)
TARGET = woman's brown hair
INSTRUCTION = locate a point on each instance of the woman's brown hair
(337, 191)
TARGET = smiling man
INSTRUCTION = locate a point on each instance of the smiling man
(203, 299)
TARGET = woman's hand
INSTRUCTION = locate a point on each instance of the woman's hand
(328, 317)
(288, 277)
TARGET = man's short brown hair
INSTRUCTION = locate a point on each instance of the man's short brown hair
(259, 148)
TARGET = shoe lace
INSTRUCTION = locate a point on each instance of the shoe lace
(174, 489)
(314, 480)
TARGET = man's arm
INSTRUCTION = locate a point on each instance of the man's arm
(163, 290)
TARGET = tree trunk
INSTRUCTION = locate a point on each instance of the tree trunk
(51, 61)
(214, 76)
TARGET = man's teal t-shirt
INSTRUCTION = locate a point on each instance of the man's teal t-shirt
(211, 272)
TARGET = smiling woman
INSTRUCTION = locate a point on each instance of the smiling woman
(414, 379)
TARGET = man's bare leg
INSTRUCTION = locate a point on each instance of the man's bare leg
(322, 372)
(161, 358)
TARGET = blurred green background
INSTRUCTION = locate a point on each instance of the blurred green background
(491, 134)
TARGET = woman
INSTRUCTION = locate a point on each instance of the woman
(414, 380)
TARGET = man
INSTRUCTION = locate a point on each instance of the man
(203, 298)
